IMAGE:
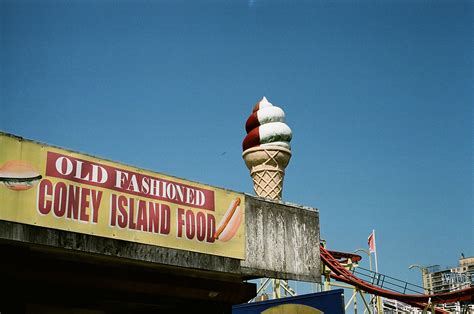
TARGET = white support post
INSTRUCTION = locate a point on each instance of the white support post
(276, 289)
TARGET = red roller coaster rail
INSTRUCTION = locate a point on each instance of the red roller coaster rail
(340, 273)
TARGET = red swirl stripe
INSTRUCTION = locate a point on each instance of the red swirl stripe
(252, 139)
(252, 122)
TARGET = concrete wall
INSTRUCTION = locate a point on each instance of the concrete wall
(282, 242)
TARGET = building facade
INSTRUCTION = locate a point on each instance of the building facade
(437, 280)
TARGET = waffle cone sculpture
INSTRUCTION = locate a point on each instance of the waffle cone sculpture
(266, 149)
(267, 168)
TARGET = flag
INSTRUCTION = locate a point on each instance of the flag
(371, 242)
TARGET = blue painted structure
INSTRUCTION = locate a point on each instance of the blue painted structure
(328, 302)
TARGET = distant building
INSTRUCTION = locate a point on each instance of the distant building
(397, 307)
(437, 280)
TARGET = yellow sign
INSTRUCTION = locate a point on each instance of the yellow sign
(292, 309)
(55, 188)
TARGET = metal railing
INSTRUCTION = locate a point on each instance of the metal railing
(387, 282)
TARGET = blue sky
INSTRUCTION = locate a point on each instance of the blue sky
(379, 96)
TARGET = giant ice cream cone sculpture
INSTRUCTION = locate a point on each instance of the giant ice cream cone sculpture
(266, 149)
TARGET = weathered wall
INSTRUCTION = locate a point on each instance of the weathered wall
(282, 242)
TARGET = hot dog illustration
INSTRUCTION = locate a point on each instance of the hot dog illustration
(19, 175)
(230, 223)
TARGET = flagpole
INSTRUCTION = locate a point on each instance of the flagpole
(379, 299)
(375, 252)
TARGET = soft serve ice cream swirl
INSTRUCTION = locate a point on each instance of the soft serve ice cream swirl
(266, 127)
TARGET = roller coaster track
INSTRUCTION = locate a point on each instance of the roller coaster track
(341, 273)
